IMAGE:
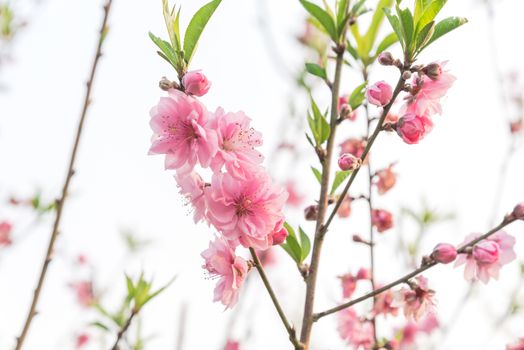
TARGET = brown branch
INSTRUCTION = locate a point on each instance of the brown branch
(290, 329)
(406, 278)
(69, 174)
(124, 329)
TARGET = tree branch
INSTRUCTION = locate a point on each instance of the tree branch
(69, 174)
(290, 329)
(406, 278)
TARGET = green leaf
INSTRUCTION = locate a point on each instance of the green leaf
(406, 22)
(309, 140)
(429, 13)
(290, 230)
(291, 246)
(340, 176)
(351, 50)
(322, 17)
(305, 244)
(342, 7)
(425, 35)
(130, 287)
(313, 128)
(321, 125)
(395, 24)
(357, 96)
(315, 69)
(317, 174)
(154, 294)
(376, 22)
(386, 43)
(100, 325)
(166, 49)
(445, 26)
(196, 27)
(420, 5)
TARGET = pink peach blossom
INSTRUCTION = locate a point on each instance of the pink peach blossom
(232, 345)
(408, 334)
(381, 219)
(516, 127)
(248, 211)
(427, 94)
(487, 257)
(347, 161)
(357, 333)
(417, 300)
(295, 198)
(429, 323)
(344, 210)
(81, 340)
(345, 109)
(386, 179)
(5, 233)
(84, 293)
(379, 93)
(196, 83)
(353, 146)
(221, 262)
(349, 284)
(181, 132)
(192, 187)
(516, 346)
(236, 144)
(412, 128)
(384, 304)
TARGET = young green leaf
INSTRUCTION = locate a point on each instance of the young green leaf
(160, 290)
(317, 174)
(357, 96)
(406, 22)
(386, 43)
(322, 17)
(340, 176)
(321, 124)
(445, 26)
(342, 8)
(395, 24)
(196, 27)
(315, 69)
(429, 13)
(292, 246)
(376, 22)
(425, 35)
(351, 50)
(420, 6)
(313, 128)
(305, 244)
(166, 49)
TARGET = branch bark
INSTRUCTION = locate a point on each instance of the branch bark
(69, 174)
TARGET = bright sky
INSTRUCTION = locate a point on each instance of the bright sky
(119, 186)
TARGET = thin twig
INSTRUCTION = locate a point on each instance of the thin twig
(124, 329)
(290, 329)
(406, 278)
(69, 174)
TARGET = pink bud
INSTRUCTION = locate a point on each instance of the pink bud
(196, 83)
(381, 219)
(279, 236)
(413, 128)
(5, 233)
(433, 71)
(518, 212)
(486, 252)
(363, 274)
(385, 59)
(311, 212)
(347, 161)
(516, 126)
(379, 94)
(444, 253)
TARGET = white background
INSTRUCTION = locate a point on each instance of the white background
(118, 186)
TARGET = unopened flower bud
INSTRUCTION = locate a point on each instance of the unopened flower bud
(444, 253)
(406, 75)
(433, 71)
(279, 236)
(516, 126)
(165, 84)
(363, 274)
(347, 161)
(385, 59)
(486, 252)
(379, 93)
(345, 111)
(196, 83)
(311, 212)
(518, 212)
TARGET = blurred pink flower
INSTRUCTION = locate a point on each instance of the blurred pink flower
(192, 187)
(353, 146)
(181, 132)
(417, 300)
(232, 345)
(412, 128)
(82, 340)
(384, 304)
(381, 219)
(427, 93)
(221, 262)
(248, 212)
(379, 93)
(357, 333)
(5, 233)
(349, 284)
(236, 144)
(84, 293)
(386, 179)
(516, 346)
(487, 256)
(196, 83)
(344, 210)
(295, 198)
